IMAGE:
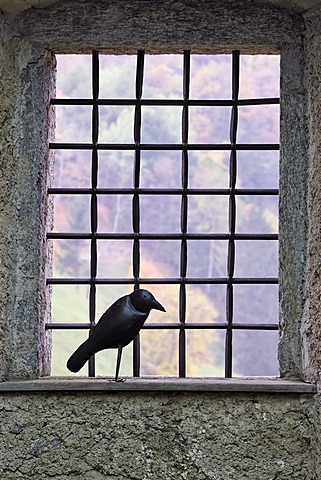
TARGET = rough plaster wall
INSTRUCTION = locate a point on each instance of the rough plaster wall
(292, 208)
(13, 7)
(23, 115)
(296, 5)
(157, 436)
(311, 330)
(162, 26)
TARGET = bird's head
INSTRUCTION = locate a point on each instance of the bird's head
(144, 301)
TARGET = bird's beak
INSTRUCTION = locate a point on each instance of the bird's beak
(157, 306)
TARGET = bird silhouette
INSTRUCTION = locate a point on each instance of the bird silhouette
(116, 328)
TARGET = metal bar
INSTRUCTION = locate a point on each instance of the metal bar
(232, 213)
(173, 326)
(164, 146)
(160, 236)
(166, 102)
(184, 212)
(162, 191)
(136, 207)
(212, 326)
(93, 203)
(161, 281)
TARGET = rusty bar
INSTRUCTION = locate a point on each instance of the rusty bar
(184, 212)
(162, 191)
(164, 146)
(232, 213)
(166, 102)
(161, 236)
(93, 203)
(160, 281)
(136, 207)
(173, 326)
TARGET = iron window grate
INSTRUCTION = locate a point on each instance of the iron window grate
(184, 192)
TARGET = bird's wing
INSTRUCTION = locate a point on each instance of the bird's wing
(121, 322)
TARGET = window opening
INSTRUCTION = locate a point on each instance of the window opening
(211, 215)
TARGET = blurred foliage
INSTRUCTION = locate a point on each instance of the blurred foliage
(254, 352)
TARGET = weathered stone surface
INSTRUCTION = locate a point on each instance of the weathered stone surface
(311, 327)
(205, 26)
(292, 209)
(156, 436)
(24, 98)
(160, 384)
(296, 5)
(13, 7)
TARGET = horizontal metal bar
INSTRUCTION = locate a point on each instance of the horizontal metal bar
(162, 281)
(173, 326)
(219, 326)
(162, 191)
(160, 236)
(164, 146)
(165, 102)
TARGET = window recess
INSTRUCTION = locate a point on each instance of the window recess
(173, 188)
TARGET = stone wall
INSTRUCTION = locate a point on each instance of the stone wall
(311, 326)
(25, 87)
(130, 435)
(157, 436)
(215, 26)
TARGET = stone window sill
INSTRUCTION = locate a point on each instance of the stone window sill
(160, 384)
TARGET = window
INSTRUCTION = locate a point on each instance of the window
(167, 179)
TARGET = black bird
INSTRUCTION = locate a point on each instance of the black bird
(116, 328)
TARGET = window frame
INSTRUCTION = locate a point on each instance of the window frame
(274, 30)
(184, 192)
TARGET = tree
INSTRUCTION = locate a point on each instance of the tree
(210, 78)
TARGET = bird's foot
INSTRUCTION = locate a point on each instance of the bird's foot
(118, 380)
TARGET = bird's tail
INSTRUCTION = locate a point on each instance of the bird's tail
(80, 357)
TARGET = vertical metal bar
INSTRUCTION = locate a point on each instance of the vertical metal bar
(93, 202)
(184, 213)
(136, 207)
(232, 214)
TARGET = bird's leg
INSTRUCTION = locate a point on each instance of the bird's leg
(116, 379)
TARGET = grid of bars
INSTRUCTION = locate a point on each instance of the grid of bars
(137, 147)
